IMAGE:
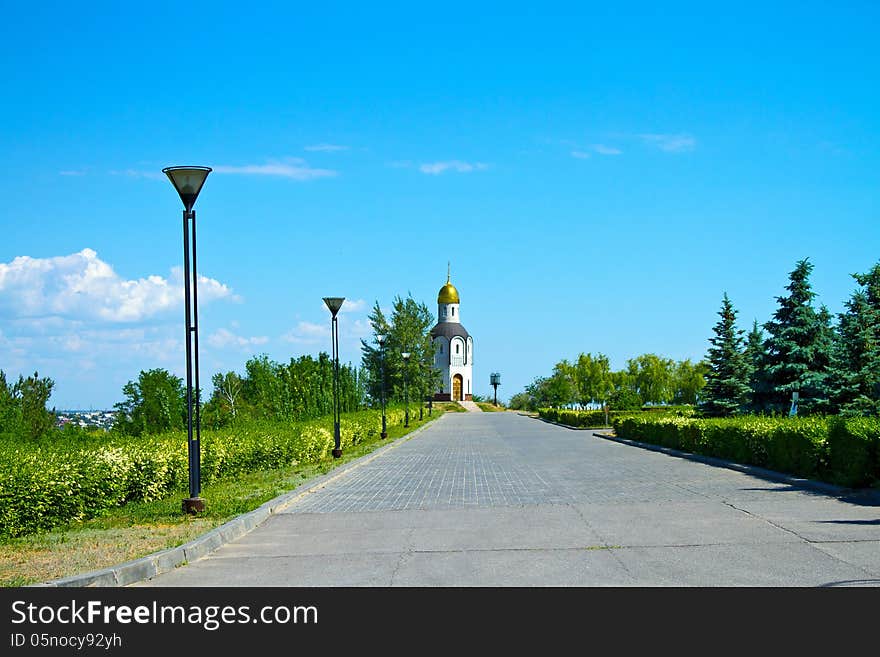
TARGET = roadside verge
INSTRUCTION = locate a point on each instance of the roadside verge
(159, 562)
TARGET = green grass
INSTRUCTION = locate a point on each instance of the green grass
(450, 407)
(489, 407)
(138, 529)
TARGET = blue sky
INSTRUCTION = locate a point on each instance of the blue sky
(598, 176)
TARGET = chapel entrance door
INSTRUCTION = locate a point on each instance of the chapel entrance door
(456, 388)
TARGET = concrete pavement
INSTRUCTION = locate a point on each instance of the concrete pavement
(500, 499)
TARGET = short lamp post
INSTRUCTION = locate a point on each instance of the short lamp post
(495, 380)
(794, 403)
(381, 340)
(188, 182)
(333, 305)
(405, 355)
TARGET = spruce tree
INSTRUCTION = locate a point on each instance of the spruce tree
(797, 347)
(871, 282)
(727, 388)
(856, 360)
(756, 358)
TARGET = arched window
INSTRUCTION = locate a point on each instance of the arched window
(441, 348)
(456, 347)
(453, 311)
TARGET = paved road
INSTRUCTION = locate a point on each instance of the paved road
(499, 499)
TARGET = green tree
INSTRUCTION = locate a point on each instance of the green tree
(624, 396)
(727, 388)
(262, 388)
(689, 379)
(652, 378)
(408, 330)
(755, 353)
(871, 283)
(552, 391)
(10, 410)
(593, 379)
(156, 402)
(226, 401)
(522, 401)
(31, 394)
(855, 370)
(798, 347)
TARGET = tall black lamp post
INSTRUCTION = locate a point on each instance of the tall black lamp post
(333, 305)
(381, 340)
(422, 400)
(188, 182)
(495, 380)
(405, 355)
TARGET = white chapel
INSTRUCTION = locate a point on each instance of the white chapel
(453, 348)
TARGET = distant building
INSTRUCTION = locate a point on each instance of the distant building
(453, 348)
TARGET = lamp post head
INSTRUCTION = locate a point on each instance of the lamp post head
(334, 304)
(405, 355)
(188, 182)
(495, 379)
(381, 339)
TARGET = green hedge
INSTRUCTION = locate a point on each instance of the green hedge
(46, 485)
(854, 451)
(842, 451)
(596, 418)
(579, 418)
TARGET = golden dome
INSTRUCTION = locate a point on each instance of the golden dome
(448, 294)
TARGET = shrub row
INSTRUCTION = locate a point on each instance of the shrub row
(842, 451)
(53, 484)
(596, 418)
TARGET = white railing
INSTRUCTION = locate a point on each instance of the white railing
(457, 360)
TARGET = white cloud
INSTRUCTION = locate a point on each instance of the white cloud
(581, 155)
(606, 150)
(82, 285)
(72, 172)
(308, 333)
(671, 143)
(326, 148)
(293, 168)
(225, 338)
(353, 305)
(436, 168)
(360, 328)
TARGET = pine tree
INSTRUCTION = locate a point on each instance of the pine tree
(756, 358)
(856, 360)
(727, 388)
(798, 347)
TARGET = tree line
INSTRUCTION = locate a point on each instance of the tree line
(589, 381)
(832, 365)
(300, 389)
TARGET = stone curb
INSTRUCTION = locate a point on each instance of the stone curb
(159, 562)
(810, 484)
